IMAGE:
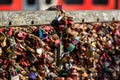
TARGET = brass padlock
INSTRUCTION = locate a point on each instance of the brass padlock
(2, 39)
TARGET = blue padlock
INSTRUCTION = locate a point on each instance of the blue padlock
(40, 33)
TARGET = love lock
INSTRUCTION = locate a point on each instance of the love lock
(35, 52)
(40, 51)
(12, 42)
(72, 32)
(2, 39)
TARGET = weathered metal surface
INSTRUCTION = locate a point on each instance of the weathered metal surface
(94, 16)
(15, 18)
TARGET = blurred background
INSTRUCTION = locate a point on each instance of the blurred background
(66, 4)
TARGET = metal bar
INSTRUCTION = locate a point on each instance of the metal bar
(95, 16)
(15, 18)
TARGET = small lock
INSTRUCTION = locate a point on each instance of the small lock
(21, 46)
(15, 77)
(48, 28)
(69, 23)
(57, 42)
(42, 43)
(47, 39)
(71, 47)
(75, 42)
(12, 42)
(2, 39)
(10, 31)
(55, 36)
(50, 59)
(40, 33)
(51, 38)
(29, 48)
(1, 29)
(1, 51)
(31, 57)
(47, 47)
(107, 31)
(40, 51)
(72, 32)
(22, 35)
(117, 32)
(61, 27)
(32, 75)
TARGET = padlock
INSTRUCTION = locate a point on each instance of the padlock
(72, 32)
(51, 38)
(22, 46)
(71, 47)
(47, 48)
(69, 78)
(69, 21)
(40, 51)
(22, 35)
(34, 37)
(117, 32)
(84, 74)
(31, 57)
(50, 59)
(76, 26)
(64, 60)
(40, 33)
(83, 48)
(57, 42)
(12, 42)
(28, 48)
(55, 39)
(55, 36)
(10, 52)
(48, 28)
(2, 39)
(76, 40)
(1, 51)
(61, 27)
(32, 74)
(95, 35)
(60, 78)
(1, 70)
(47, 39)
(52, 75)
(10, 31)
(1, 29)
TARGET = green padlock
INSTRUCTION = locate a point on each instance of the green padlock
(71, 47)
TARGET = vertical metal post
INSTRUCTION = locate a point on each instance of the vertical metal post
(59, 50)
